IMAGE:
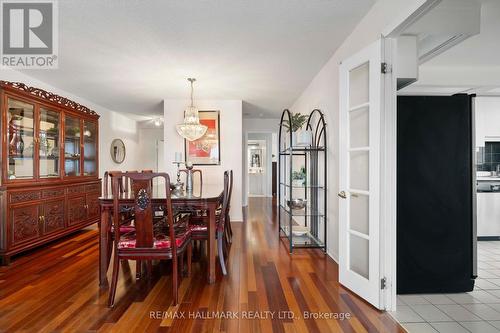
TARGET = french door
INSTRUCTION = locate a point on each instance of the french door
(361, 89)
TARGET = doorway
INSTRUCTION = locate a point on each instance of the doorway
(472, 308)
(261, 164)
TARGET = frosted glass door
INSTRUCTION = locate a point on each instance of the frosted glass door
(360, 81)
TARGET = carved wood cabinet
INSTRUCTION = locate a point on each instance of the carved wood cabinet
(49, 183)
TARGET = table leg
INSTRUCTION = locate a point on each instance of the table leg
(103, 247)
(211, 242)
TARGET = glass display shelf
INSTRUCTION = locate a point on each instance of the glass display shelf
(304, 240)
(302, 180)
(302, 212)
(289, 150)
(302, 187)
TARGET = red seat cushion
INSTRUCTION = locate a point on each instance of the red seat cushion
(160, 240)
(198, 227)
(124, 229)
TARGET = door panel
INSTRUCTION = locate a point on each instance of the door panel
(25, 224)
(49, 125)
(435, 234)
(360, 105)
(72, 146)
(89, 148)
(93, 208)
(21, 143)
(76, 210)
(53, 216)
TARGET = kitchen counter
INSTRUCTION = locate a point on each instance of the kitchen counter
(488, 178)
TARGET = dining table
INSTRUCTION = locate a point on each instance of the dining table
(206, 198)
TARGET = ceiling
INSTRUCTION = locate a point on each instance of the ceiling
(129, 55)
(473, 66)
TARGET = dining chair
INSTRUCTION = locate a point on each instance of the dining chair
(125, 213)
(195, 171)
(107, 183)
(149, 241)
(199, 231)
(195, 213)
(126, 181)
(228, 229)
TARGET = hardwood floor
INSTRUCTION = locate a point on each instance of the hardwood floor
(56, 289)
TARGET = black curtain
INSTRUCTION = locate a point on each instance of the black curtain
(434, 194)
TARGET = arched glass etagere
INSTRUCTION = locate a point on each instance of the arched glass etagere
(302, 178)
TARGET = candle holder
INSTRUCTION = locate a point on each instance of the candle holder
(189, 178)
(178, 186)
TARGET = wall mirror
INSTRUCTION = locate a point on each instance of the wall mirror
(117, 151)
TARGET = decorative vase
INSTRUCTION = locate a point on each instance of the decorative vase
(301, 138)
(16, 143)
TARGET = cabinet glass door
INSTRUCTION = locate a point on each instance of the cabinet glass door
(48, 139)
(89, 148)
(20, 140)
(72, 152)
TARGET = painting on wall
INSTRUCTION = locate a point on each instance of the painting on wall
(205, 150)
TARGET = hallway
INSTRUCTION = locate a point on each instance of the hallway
(267, 290)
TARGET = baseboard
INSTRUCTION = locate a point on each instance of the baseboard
(333, 256)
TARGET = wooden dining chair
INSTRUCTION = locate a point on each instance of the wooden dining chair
(126, 181)
(107, 182)
(195, 213)
(228, 230)
(149, 241)
(199, 231)
(195, 171)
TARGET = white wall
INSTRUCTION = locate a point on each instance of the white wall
(487, 111)
(148, 137)
(255, 125)
(112, 124)
(230, 150)
(323, 92)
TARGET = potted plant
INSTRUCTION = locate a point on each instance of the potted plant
(300, 137)
(299, 177)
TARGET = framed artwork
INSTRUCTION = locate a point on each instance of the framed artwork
(205, 150)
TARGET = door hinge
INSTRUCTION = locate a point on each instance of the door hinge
(383, 283)
(385, 68)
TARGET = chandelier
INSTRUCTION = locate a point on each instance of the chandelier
(191, 129)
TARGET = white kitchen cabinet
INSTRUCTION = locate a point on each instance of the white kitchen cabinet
(488, 214)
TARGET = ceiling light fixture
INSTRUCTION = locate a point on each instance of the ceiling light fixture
(191, 129)
(158, 122)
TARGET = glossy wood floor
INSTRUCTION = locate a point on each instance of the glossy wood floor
(56, 289)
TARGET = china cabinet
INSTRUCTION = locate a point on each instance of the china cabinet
(49, 185)
(302, 191)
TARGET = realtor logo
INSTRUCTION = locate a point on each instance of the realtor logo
(29, 34)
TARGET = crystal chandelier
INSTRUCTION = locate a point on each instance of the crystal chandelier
(191, 129)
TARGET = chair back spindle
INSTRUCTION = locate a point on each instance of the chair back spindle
(225, 201)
